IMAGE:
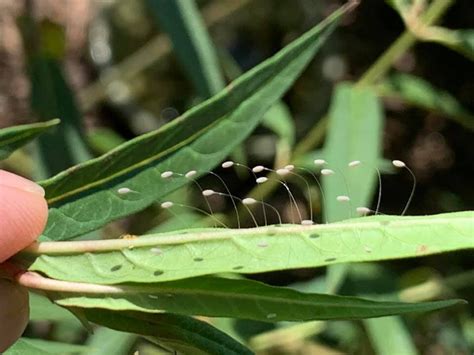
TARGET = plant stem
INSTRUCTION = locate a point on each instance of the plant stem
(35, 281)
(372, 223)
(402, 44)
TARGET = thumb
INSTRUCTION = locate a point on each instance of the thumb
(23, 213)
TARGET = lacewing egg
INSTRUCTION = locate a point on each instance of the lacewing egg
(327, 172)
(167, 204)
(363, 210)
(208, 192)
(282, 172)
(398, 163)
(249, 201)
(190, 174)
(124, 191)
(227, 164)
(319, 162)
(166, 174)
(258, 169)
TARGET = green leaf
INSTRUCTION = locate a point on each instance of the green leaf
(399, 341)
(191, 41)
(26, 346)
(12, 138)
(465, 42)
(376, 282)
(85, 197)
(220, 297)
(51, 96)
(173, 332)
(354, 133)
(42, 308)
(421, 93)
(401, 6)
(104, 139)
(188, 253)
(278, 118)
(109, 341)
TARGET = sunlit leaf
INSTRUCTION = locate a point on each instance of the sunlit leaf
(189, 253)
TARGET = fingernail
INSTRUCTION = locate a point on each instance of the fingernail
(18, 182)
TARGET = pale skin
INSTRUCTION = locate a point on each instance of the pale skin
(23, 215)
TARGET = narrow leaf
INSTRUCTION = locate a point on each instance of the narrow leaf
(219, 297)
(51, 96)
(184, 254)
(173, 332)
(277, 119)
(109, 341)
(43, 309)
(12, 138)
(85, 197)
(399, 341)
(421, 93)
(191, 41)
(104, 139)
(354, 134)
(465, 42)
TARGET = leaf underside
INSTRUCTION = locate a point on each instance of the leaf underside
(190, 253)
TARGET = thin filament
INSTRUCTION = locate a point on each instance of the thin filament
(230, 195)
(263, 203)
(201, 190)
(379, 197)
(412, 193)
(319, 185)
(214, 218)
(309, 193)
(240, 200)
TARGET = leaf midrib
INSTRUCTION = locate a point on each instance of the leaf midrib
(78, 247)
(131, 167)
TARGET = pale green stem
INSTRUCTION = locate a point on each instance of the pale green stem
(402, 44)
(364, 223)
